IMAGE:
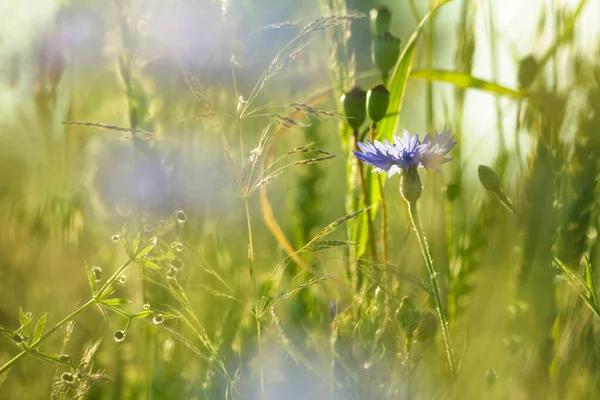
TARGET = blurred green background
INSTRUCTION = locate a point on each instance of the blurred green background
(154, 86)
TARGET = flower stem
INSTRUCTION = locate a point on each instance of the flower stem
(98, 296)
(416, 222)
(408, 366)
(384, 225)
(363, 184)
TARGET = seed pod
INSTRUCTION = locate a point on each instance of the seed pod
(381, 20)
(354, 103)
(489, 179)
(408, 316)
(528, 69)
(378, 100)
(385, 51)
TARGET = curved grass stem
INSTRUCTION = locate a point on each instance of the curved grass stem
(416, 222)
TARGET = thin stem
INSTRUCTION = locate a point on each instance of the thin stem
(416, 222)
(253, 277)
(363, 184)
(70, 317)
(384, 225)
(250, 245)
(408, 366)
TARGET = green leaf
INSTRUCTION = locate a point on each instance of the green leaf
(115, 301)
(142, 314)
(465, 81)
(146, 249)
(397, 83)
(135, 243)
(151, 264)
(91, 279)
(591, 282)
(39, 328)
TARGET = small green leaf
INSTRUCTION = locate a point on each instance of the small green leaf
(22, 318)
(146, 249)
(135, 243)
(591, 282)
(115, 302)
(142, 314)
(91, 279)
(39, 328)
(106, 319)
(151, 264)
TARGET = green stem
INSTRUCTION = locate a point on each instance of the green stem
(363, 184)
(384, 225)
(407, 361)
(416, 222)
(70, 317)
(250, 246)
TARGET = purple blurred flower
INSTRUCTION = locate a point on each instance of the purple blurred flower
(406, 151)
(434, 149)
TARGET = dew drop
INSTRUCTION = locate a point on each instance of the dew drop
(119, 336)
(65, 358)
(17, 338)
(79, 376)
(181, 216)
(176, 264)
(122, 279)
(67, 377)
(28, 315)
(177, 246)
(158, 319)
(171, 273)
(97, 271)
(115, 238)
(146, 306)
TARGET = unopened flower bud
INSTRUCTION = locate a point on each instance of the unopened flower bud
(528, 69)
(410, 185)
(408, 316)
(385, 51)
(381, 20)
(354, 103)
(489, 179)
(452, 192)
(378, 100)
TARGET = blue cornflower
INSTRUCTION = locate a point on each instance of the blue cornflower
(433, 150)
(406, 151)
(388, 157)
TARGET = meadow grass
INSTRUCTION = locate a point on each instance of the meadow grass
(185, 217)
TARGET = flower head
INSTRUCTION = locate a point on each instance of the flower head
(434, 149)
(390, 157)
(406, 151)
